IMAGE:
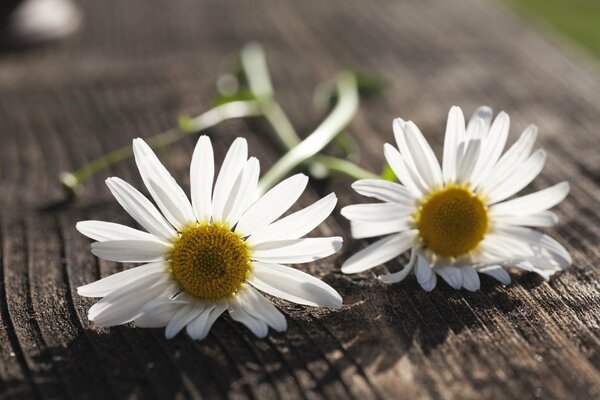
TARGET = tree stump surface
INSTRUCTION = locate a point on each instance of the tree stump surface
(137, 65)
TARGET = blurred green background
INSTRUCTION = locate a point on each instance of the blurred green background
(579, 20)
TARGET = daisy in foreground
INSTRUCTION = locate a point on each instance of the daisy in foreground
(456, 219)
(212, 254)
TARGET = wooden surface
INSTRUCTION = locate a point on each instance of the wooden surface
(136, 65)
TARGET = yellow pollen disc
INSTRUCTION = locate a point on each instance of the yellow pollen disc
(210, 262)
(452, 221)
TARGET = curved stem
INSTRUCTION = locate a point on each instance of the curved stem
(346, 167)
(212, 117)
(339, 117)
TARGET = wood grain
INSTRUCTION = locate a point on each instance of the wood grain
(136, 65)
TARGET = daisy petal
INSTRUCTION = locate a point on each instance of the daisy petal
(235, 159)
(293, 285)
(157, 313)
(242, 193)
(259, 307)
(544, 241)
(479, 123)
(466, 158)
(140, 208)
(532, 203)
(199, 328)
(425, 275)
(403, 273)
(363, 230)
(376, 212)
(511, 161)
(103, 231)
(383, 190)
(113, 282)
(492, 147)
(183, 317)
(403, 172)
(541, 219)
(125, 304)
(296, 251)
(496, 272)
(380, 252)
(272, 204)
(530, 169)
(171, 200)
(130, 250)
(258, 327)
(296, 225)
(455, 133)
(452, 275)
(414, 146)
(470, 279)
(202, 172)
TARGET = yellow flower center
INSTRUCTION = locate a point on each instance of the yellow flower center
(452, 221)
(210, 261)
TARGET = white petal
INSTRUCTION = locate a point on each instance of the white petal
(362, 230)
(422, 154)
(259, 307)
(172, 200)
(466, 158)
(113, 282)
(126, 304)
(492, 147)
(140, 208)
(403, 172)
(157, 313)
(511, 161)
(452, 275)
(455, 133)
(513, 184)
(383, 190)
(130, 250)
(199, 328)
(202, 172)
(470, 279)
(403, 273)
(296, 225)
(272, 204)
(183, 317)
(293, 285)
(256, 326)
(482, 115)
(242, 193)
(377, 212)
(235, 159)
(103, 231)
(425, 275)
(541, 219)
(380, 252)
(496, 272)
(541, 240)
(296, 251)
(532, 203)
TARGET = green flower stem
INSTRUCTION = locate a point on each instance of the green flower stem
(237, 109)
(346, 167)
(257, 74)
(254, 65)
(335, 122)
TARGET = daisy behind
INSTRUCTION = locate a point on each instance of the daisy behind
(210, 255)
(456, 219)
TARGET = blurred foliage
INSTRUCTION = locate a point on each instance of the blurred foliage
(577, 19)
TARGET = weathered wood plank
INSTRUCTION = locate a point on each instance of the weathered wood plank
(137, 65)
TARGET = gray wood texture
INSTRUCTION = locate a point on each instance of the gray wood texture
(137, 64)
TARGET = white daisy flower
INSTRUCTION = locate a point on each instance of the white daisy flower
(456, 219)
(210, 255)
